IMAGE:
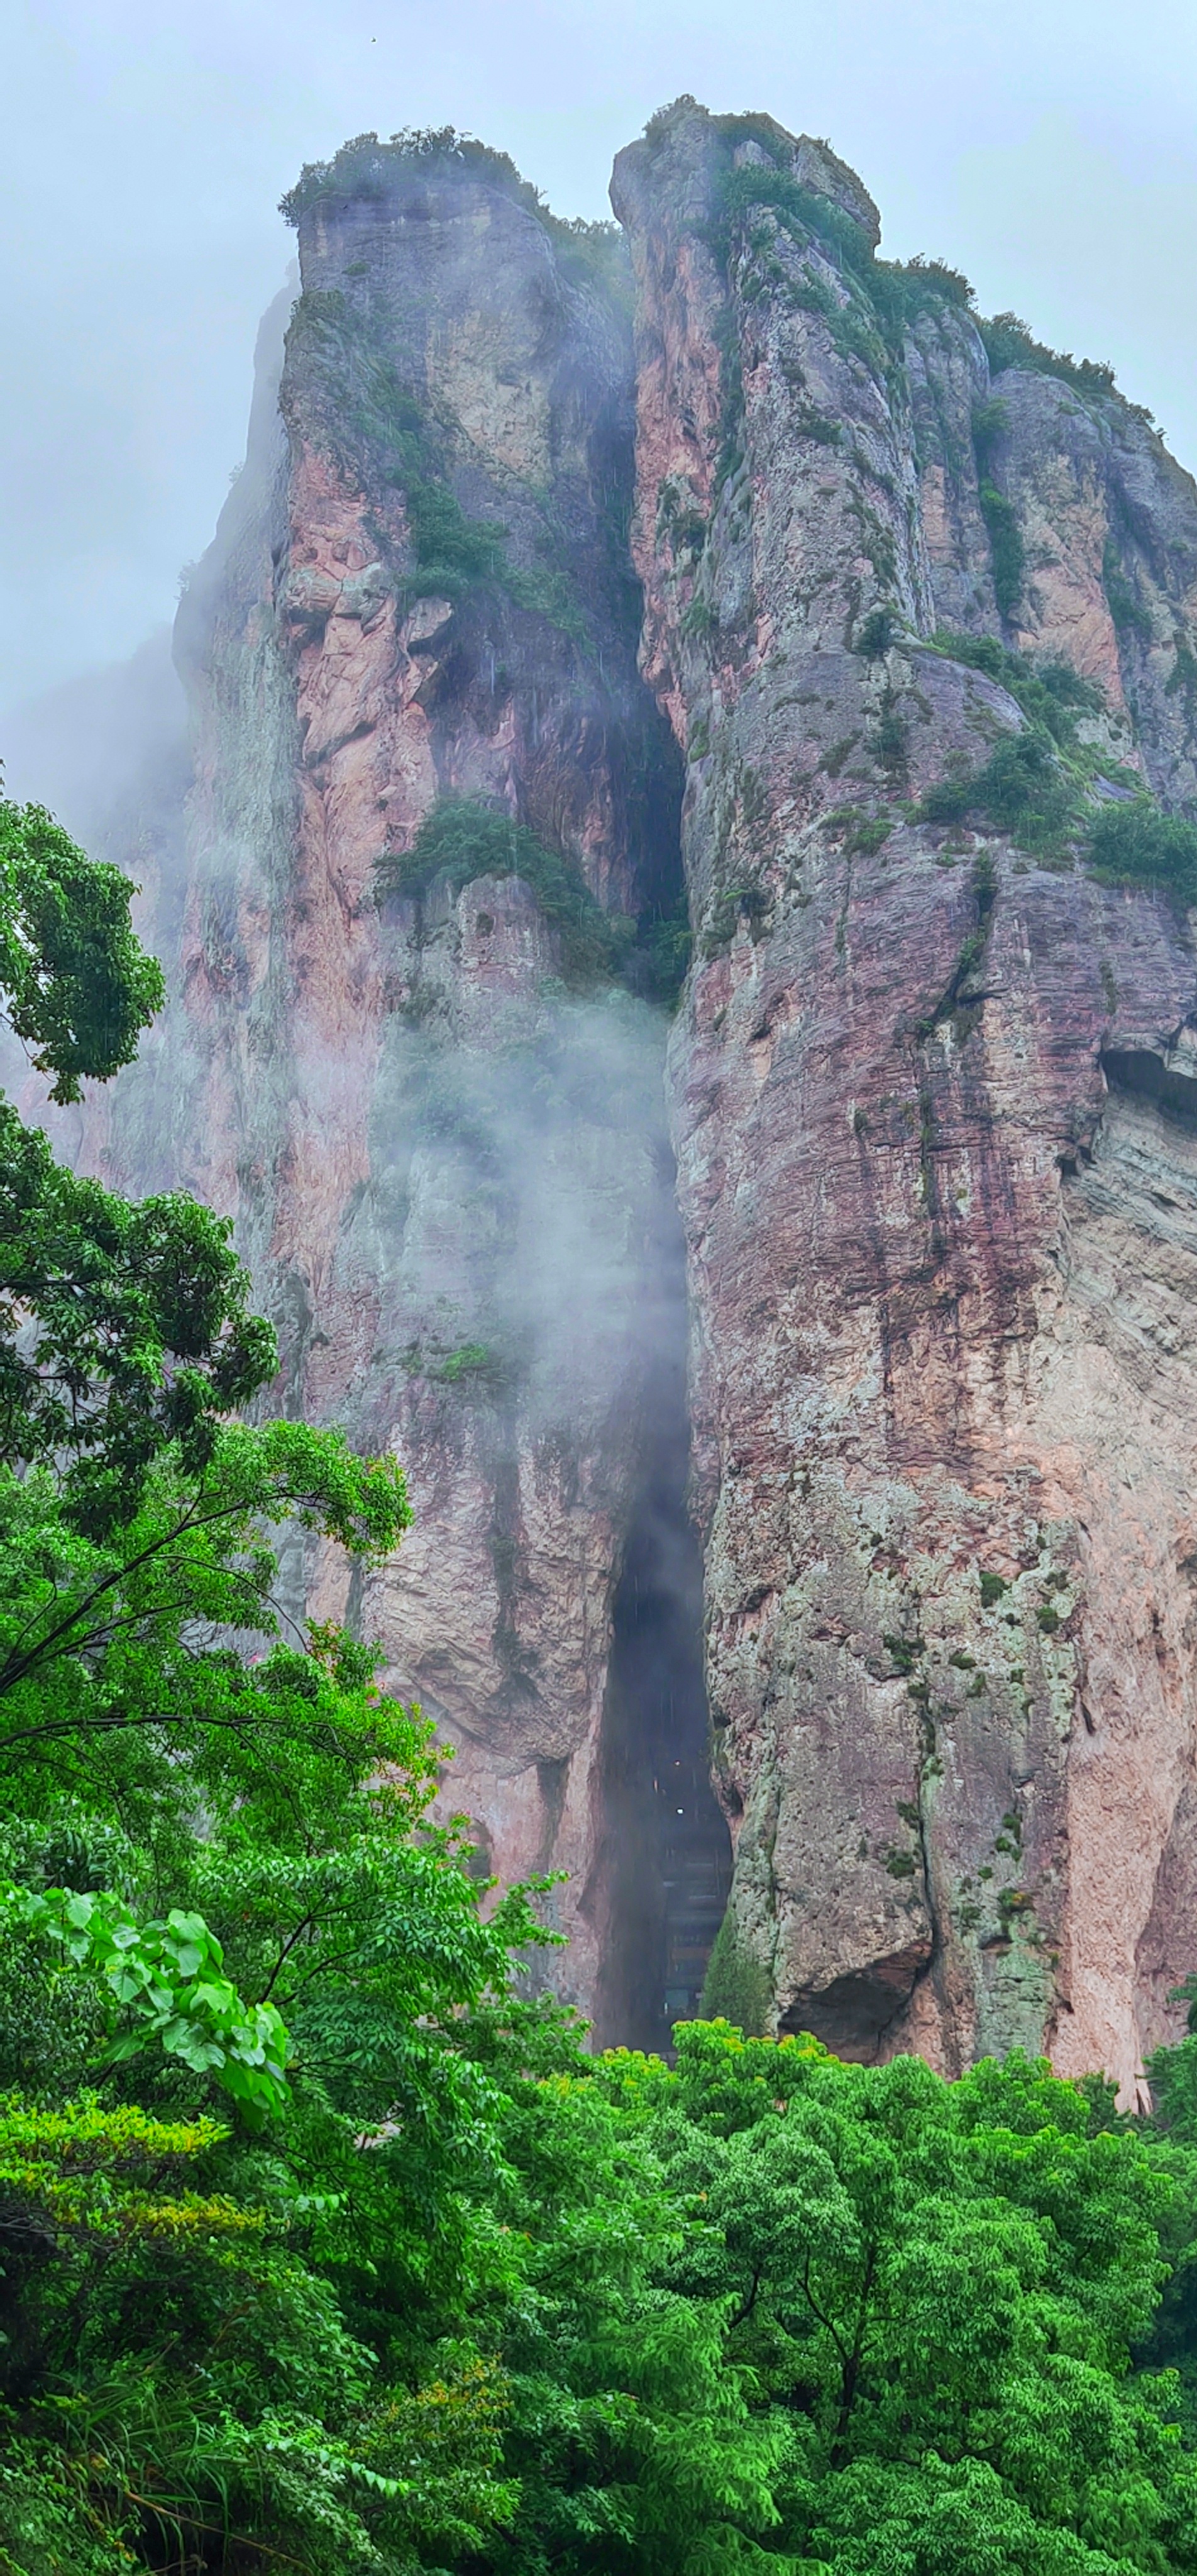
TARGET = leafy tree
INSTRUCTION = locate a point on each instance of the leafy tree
(123, 1329)
(79, 987)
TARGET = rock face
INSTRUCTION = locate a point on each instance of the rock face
(933, 1086)
(934, 1105)
(445, 1149)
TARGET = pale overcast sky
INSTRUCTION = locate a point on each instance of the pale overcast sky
(1045, 146)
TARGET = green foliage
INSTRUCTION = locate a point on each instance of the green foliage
(664, 945)
(737, 1987)
(454, 553)
(1038, 785)
(173, 2369)
(1008, 343)
(78, 988)
(1134, 844)
(1026, 790)
(911, 287)
(1050, 693)
(869, 836)
(452, 550)
(1021, 790)
(889, 741)
(123, 1329)
(895, 293)
(165, 1983)
(877, 632)
(1125, 607)
(698, 620)
(755, 184)
(1007, 554)
(367, 170)
(472, 1359)
(109, 1652)
(990, 419)
(462, 839)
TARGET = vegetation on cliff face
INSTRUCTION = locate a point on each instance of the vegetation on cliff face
(1006, 552)
(897, 291)
(1042, 785)
(463, 838)
(372, 417)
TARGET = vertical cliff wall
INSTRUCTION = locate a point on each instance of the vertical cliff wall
(934, 1096)
(437, 1111)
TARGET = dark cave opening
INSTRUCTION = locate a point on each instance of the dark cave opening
(667, 1851)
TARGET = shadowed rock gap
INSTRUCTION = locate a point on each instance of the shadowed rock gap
(666, 1851)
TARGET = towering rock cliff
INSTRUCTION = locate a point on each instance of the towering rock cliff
(910, 604)
(430, 1088)
(933, 1090)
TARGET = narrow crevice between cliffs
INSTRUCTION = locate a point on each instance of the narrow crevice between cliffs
(665, 1854)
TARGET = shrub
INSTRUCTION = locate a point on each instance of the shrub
(989, 420)
(1022, 789)
(1008, 343)
(1134, 844)
(1051, 694)
(902, 289)
(869, 836)
(878, 631)
(366, 168)
(737, 1986)
(592, 255)
(462, 839)
(1006, 552)
(754, 184)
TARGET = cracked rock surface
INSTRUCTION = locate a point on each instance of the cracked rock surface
(934, 1111)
